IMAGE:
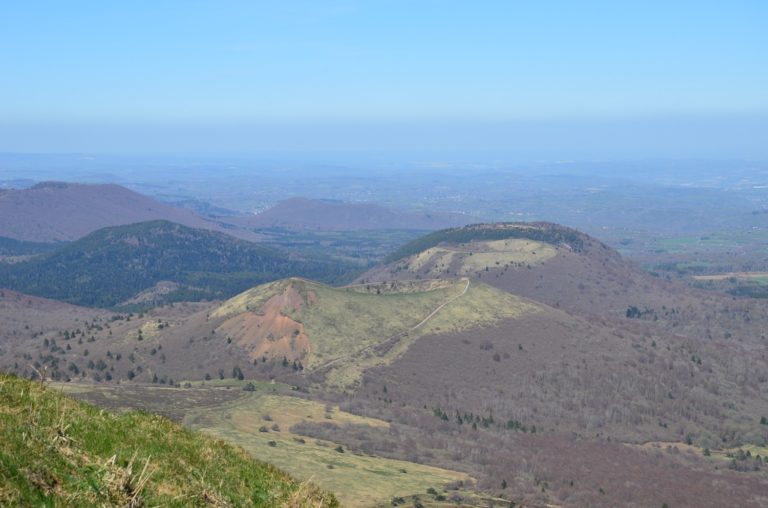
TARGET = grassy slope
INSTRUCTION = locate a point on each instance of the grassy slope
(477, 256)
(346, 325)
(59, 452)
(358, 480)
(236, 416)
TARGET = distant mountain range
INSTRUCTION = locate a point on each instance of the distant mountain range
(303, 213)
(57, 211)
(61, 212)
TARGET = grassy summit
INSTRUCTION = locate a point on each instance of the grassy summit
(55, 451)
(546, 232)
(342, 331)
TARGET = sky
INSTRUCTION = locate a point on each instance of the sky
(542, 78)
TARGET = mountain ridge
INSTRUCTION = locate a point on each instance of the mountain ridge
(306, 213)
(63, 211)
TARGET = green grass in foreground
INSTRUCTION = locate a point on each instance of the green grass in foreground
(55, 451)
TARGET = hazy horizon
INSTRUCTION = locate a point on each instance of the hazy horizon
(561, 80)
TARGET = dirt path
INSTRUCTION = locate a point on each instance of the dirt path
(432, 314)
(398, 335)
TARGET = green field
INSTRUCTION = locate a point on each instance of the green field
(721, 241)
(760, 278)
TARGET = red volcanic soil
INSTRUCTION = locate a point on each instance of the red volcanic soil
(269, 331)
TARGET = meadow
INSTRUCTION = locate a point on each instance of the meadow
(261, 422)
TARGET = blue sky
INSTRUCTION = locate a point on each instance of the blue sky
(303, 75)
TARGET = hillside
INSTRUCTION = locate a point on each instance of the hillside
(113, 265)
(22, 316)
(420, 337)
(546, 262)
(57, 211)
(303, 213)
(559, 373)
(496, 386)
(529, 356)
(10, 247)
(342, 331)
(55, 451)
(291, 328)
(552, 409)
(571, 271)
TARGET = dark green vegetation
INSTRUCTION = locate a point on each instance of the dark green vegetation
(13, 247)
(113, 265)
(538, 231)
(58, 452)
(361, 247)
(751, 291)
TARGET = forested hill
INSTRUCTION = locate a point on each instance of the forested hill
(112, 265)
(13, 247)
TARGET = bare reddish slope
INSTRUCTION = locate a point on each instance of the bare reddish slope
(303, 213)
(54, 211)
